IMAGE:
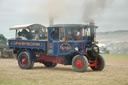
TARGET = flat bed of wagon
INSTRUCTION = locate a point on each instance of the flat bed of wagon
(33, 44)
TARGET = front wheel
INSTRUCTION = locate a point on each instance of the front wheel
(80, 63)
(24, 60)
(100, 63)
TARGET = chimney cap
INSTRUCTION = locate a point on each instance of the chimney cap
(92, 24)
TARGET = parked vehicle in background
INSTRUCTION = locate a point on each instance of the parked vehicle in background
(4, 51)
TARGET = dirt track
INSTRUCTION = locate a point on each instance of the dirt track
(115, 73)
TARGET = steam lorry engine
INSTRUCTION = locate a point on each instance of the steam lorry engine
(67, 44)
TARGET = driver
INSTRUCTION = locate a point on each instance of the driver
(55, 34)
(76, 34)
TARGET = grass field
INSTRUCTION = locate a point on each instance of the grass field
(115, 73)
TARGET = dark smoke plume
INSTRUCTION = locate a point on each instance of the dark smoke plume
(55, 10)
(52, 9)
(93, 8)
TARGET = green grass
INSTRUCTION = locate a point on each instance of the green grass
(17, 82)
(115, 59)
(118, 55)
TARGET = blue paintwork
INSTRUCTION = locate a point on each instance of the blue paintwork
(43, 44)
(30, 54)
(58, 52)
(53, 48)
(50, 41)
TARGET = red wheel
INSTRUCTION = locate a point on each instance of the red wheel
(100, 63)
(25, 61)
(80, 63)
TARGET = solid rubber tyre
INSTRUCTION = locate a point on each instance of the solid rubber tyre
(100, 64)
(80, 63)
(24, 60)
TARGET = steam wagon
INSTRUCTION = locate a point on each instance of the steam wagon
(67, 44)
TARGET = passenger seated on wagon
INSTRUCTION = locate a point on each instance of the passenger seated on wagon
(29, 35)
(25, 34)
(19, 33)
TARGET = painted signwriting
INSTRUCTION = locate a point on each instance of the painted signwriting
(65, 46)
(26, 43)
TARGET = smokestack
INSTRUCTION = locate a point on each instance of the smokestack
(51, 21)
(92, 23)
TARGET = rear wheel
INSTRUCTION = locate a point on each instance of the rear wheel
(80, 63)
(100, 63)
(50, 64)
(24, 61)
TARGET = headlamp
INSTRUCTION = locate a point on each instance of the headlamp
(76, 49)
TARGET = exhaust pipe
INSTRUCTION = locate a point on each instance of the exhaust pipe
(51, 21)
(92, 24)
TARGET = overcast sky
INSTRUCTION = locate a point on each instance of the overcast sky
(19, 12)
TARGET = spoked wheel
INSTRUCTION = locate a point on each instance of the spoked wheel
(100, 63)
(49, 64)
(24, 61)
(80, 63)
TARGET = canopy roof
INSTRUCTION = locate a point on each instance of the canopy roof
(70, 25)
(29, 26)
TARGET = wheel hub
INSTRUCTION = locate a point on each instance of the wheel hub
(23, 60)
(78, 63)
